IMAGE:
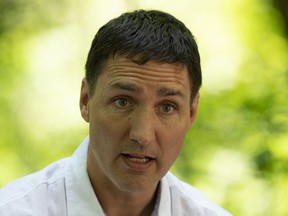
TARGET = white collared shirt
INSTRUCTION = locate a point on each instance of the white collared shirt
(64, 189)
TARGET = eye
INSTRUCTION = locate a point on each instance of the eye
(167, 108)
(121, 102)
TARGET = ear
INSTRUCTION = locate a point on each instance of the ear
(84, 100)
(194, 109)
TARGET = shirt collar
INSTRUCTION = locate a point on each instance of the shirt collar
(165, 198)
(81, 199)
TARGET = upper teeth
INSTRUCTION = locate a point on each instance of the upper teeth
(138, 159)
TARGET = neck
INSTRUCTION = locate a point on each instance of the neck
(126, 205)
(115, 201)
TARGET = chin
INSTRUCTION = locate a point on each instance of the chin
(134, 186)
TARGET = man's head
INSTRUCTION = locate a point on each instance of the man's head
(143, 36)
(137, 99)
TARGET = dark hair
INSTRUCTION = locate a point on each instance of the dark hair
(146, 35)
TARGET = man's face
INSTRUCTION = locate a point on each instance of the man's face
(138, 115)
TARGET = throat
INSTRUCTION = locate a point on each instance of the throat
(128, 204)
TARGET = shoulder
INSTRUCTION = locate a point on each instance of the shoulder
(191, 199)
(34, 188)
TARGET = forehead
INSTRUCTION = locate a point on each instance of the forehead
(121, 68)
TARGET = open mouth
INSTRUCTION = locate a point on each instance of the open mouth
(137, 158)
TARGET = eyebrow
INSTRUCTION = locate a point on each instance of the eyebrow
(163, 92)
(169, 92)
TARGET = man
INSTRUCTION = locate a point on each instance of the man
(140, 97)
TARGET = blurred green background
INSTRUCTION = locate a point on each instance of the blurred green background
(237, 152)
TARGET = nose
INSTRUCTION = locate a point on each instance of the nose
(143, 125)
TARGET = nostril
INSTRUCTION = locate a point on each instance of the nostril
(139, 140)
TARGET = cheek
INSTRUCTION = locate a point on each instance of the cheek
(173, 143)
(100, 132)
(105, 132)
(177, 144)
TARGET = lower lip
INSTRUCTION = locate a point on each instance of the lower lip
(137, 166)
